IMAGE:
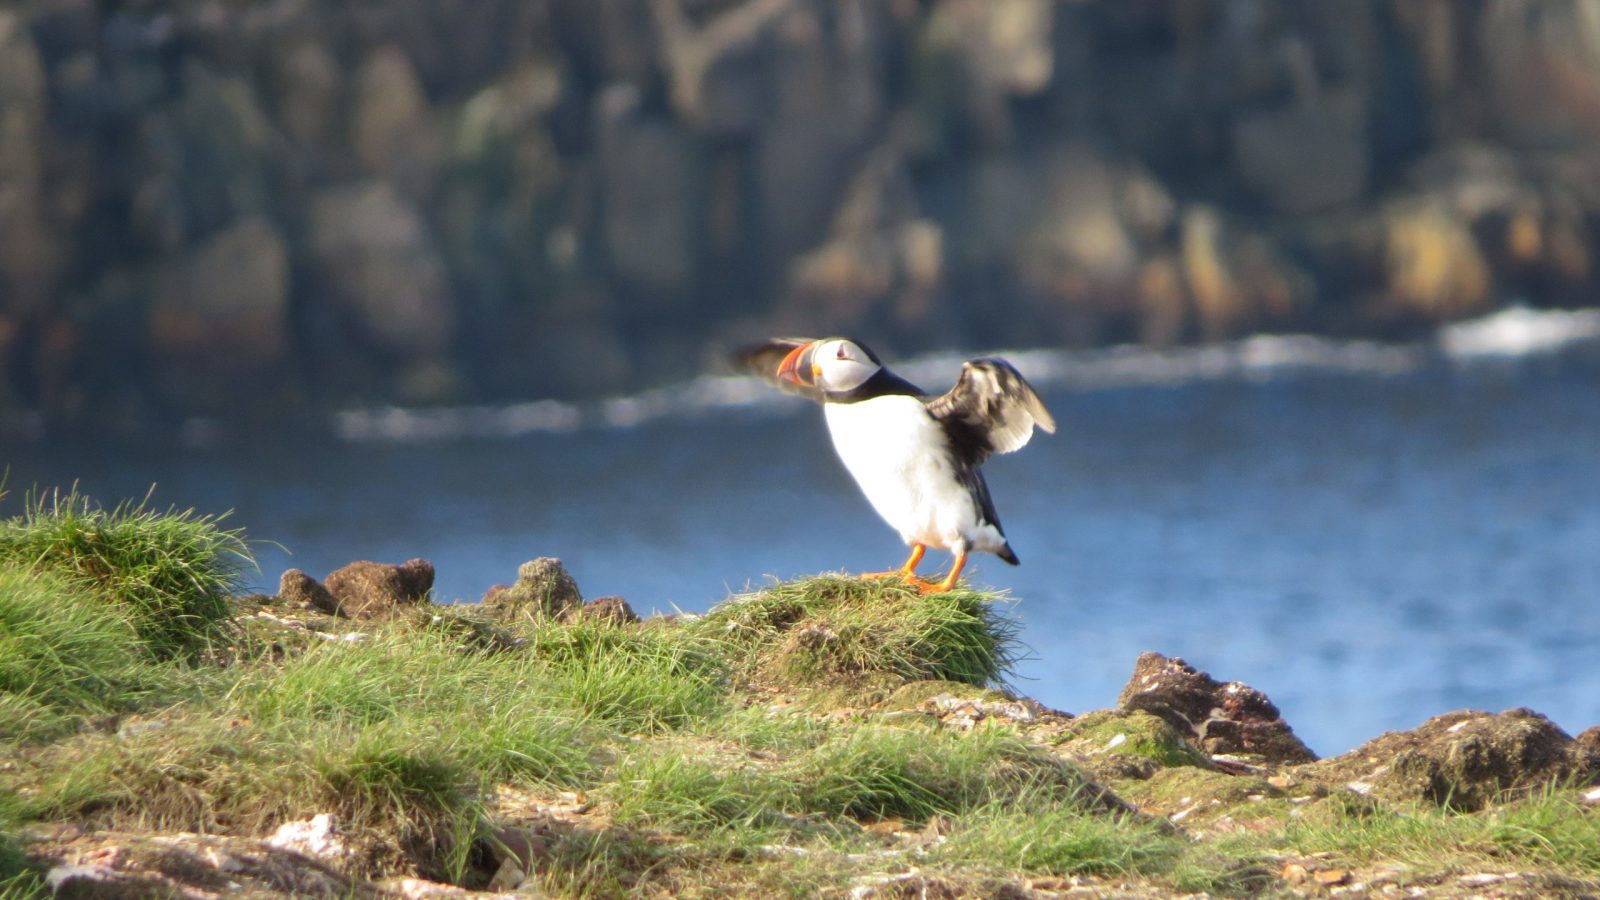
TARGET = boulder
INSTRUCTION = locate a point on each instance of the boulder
(544, 589)
(381, 269)
(1220, 718)
(368, 590)
(390, 130)
(1433, 264)
(298, 588)
(1464, 760)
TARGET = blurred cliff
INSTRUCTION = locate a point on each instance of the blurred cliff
(256, 208)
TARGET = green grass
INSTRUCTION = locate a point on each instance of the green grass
(1549, 829)
(913, 773)
(1036, 832)
(173, 572)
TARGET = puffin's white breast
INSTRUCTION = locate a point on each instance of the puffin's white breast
(900, 457)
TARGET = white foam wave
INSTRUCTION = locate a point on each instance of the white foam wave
(1509, 334)
(1519, 332)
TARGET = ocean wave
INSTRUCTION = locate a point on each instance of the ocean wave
(1510, 334)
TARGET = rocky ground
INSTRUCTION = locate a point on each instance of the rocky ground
(1468, 804)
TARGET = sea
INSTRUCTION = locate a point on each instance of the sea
(1370, 533)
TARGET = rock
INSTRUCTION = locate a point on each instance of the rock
(904, 886)
(1231, 718)
(106, 865)
(649, 172)
(1307, 158)
(317, 837)
(367, 590)
(1434, 267)
(30, 251)
(390, 130)
(543, 589)
(92, 882)
(1111, 744)
(880, 252)
(1541, 64)
(1464, 760)
(229, 299)
(611, 610)
(305, 81)
(828, 106)
(381, 269)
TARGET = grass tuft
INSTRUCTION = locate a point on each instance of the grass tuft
(833, 629)
(874, 772)
(636, 680)
(1035, 832)
(65, 656)
(174, 571)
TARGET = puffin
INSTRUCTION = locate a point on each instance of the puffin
(915, 456)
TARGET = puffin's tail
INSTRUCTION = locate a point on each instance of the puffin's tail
(1007, 554)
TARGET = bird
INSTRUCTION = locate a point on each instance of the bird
(915, 456)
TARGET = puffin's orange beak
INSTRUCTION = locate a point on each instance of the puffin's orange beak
(797, 367)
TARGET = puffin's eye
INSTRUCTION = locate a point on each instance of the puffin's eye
(842, 354)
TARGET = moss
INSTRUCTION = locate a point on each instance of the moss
(1201, 800)
(1115, 741)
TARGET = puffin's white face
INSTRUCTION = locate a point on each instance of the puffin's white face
(838, 365)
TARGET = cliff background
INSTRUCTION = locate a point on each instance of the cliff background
(266, 209)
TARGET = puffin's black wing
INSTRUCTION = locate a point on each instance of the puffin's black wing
(992, 409)
(763, 359)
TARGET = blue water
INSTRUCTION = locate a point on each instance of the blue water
(1369, 549)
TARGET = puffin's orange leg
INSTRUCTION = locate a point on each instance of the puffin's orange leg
(935, 587)
(907, 572)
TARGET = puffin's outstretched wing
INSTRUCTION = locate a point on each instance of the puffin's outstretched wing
(992, 409)
(763, 359)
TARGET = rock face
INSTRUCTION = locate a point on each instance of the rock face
(398, 204)
(544, 588)
(368, 590)
(1231, 718)
(1465, 760)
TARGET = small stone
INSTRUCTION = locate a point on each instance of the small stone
(1294, 873)
(301, 590)
(1330, 877)
(366, 590)
(612, 610)
(508, 877)
(316, 837)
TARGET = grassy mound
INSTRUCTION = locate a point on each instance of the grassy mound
(850, 632)
(174, 572)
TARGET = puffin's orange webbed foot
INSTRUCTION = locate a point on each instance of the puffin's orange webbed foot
(949, 582)
(907, 572)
